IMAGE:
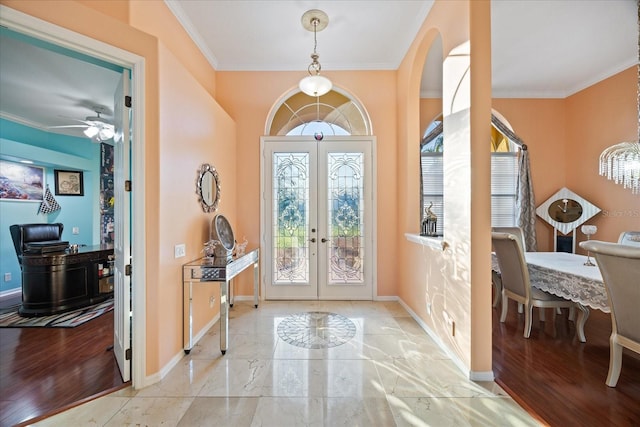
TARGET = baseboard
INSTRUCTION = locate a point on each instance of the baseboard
(471, 375)
(158, 376)
(10, 293)
(242, 298)
(386, 298)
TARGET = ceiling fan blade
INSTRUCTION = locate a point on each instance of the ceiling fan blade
(68, 126)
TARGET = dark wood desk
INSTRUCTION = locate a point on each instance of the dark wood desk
(56, 282)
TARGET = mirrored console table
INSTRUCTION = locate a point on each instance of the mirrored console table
(220, 270)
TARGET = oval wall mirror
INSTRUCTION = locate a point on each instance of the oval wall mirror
(208, 187)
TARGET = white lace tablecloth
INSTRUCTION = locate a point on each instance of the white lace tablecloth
(565, 275)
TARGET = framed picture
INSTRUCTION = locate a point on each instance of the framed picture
(68, 183)
(21, 182)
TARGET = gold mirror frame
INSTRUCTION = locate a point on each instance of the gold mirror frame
(208, 188)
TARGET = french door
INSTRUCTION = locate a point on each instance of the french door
(317, 218)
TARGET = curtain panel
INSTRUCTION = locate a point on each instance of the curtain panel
(526, 205)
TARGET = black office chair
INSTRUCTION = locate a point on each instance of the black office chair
(37, 238)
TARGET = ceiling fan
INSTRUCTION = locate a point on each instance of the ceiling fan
(96, 127)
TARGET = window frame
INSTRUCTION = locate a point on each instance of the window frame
(432, 193)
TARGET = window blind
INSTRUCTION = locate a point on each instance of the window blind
(504, 178)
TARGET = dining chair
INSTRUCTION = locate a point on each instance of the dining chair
(516, 283)
(630, 238)
(620, 268)
(496, 280)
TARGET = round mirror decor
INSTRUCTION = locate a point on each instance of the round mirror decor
(222, 232)
(208, 187)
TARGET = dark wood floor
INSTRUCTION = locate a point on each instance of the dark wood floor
(560, 380)
(554, 376)
(46, 370)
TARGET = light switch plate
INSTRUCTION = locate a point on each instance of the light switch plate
(179, 250)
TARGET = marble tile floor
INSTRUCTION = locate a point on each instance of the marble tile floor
(390, 373)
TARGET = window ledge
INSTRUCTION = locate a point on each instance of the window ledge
(432, 242)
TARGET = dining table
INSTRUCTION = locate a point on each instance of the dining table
(568, 276)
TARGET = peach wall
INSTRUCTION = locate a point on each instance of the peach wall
(541, 124)
(598, 117)
(249, 96)
(455, 279)
(157, 19)
(430, 108)
(117, 9)
(194, 130)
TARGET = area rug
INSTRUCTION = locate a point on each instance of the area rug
(70, 319)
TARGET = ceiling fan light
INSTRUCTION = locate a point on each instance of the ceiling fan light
(91, 131)
(315, 85)
(106, 133)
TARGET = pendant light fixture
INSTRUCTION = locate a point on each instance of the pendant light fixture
(621, 162)
(314, 84)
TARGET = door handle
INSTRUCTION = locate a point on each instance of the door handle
(312, 240)
(323, 240)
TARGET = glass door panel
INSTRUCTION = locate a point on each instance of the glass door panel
(290, 218)
(290, 212)
(344, 264)
(317, 214)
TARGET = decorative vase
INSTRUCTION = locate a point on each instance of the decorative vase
(209, 249)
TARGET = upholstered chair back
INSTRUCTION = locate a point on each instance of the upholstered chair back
(513, 267)
(24, 234)
(516, 231)
(620, 268)
(630, 238)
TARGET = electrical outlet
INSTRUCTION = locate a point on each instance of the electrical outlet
(76, 230)
(7, 277)
(212, 301)
(179, 250)
(449, 322)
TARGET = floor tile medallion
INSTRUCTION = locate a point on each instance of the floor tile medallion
(316, 329)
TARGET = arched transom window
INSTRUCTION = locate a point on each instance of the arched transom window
(332, 114)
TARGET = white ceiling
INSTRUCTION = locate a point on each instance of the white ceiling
(540, 48)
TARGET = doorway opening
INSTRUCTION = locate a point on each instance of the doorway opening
(132, 224)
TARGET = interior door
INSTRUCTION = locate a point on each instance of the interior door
(122, 239)
(317, 217)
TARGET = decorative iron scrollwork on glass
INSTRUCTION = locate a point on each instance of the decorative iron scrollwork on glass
(346, 214)
(290, 217)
